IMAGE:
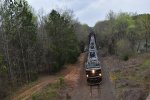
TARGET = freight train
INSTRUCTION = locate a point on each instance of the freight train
(92, 65)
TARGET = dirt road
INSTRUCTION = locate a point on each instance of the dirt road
(104, 91)
(24, 95)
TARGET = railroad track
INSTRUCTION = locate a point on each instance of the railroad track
(95, 92)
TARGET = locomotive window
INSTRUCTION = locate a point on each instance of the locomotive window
(92, 65)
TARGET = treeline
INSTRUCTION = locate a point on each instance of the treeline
(124, 34)
(33, 44)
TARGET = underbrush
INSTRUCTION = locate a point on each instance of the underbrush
(146, 64)
(50, 92)
(133, 79)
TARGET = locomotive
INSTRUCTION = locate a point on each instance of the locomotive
(92, 65)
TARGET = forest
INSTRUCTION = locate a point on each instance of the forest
(124, 34)
(33, 44)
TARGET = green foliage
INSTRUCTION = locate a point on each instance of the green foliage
(146, 64)
(55, 67)
(18, 40)
(61, 81)
(3, 68)
(63, 42)
(125, 57)
(123, 49)
(123, 26)
(102, 34)
(82, 32)
(144, 21)
(50, 92)
(29, 48)
(82, 46)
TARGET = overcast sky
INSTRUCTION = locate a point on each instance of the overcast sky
(91, 11)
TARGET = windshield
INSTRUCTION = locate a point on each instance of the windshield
(92, 65)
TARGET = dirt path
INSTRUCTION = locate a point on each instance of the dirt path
(29, 92)
(84, 92)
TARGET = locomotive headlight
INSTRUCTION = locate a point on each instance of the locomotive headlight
(100, 74)
(87, 75)
(93, 71)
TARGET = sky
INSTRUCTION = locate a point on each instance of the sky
(91, 11)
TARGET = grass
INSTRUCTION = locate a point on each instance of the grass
(146, 64)
(50, 92)
(47, 93)
(113, 76)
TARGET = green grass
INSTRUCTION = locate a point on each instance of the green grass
(47, 93)
(146, 64)
(50, 92)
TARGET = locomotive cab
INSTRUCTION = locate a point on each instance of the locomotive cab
(93, 72)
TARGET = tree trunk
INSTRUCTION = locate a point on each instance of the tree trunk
(23, 58)
(138, 45)
(146, 44)
(7, 57)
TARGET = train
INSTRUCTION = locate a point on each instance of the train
(92, 64)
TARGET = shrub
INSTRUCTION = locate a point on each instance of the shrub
(61, 81)
(55, 67)
(123, 49)
(125, 57)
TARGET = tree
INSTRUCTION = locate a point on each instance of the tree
(63, 42)
(145, 27)
(105, 31)
(117, 27)
(27, 44)
(111, 42)
(18, 38)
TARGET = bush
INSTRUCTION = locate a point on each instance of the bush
(72, 55)
(123, 49)
(61, 81)
(125, 57)
(34, 76)
(55, 67)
